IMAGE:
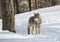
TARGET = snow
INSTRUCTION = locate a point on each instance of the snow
(50, 27)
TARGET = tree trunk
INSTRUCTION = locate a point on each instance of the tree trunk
(54, 2)
(29, 4)
(8, 19)
(16, 6)
(0, 9)
(36, 6)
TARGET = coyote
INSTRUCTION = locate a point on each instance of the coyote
(34, 22)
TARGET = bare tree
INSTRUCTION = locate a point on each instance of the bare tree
(16, 6)
(8, 19)
(36, 5)
(0, 9)
(29, 4)
(54, 2)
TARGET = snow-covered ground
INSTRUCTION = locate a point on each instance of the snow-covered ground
(50, 27)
